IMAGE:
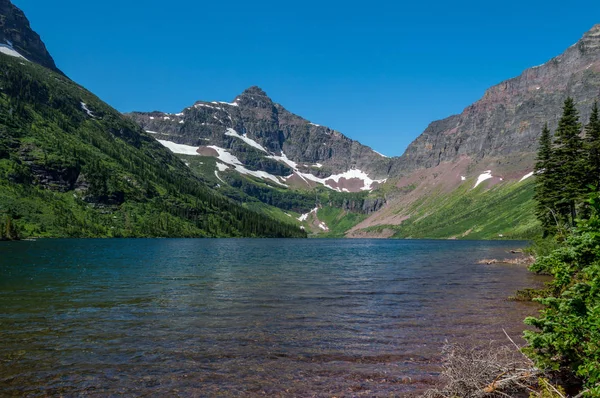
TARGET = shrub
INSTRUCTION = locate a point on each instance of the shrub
(568, 339)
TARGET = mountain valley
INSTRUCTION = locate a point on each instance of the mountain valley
(221, 168)
(480, 159)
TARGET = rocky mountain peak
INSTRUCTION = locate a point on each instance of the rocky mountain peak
(18, 39)
(254, 97)
(255, 90)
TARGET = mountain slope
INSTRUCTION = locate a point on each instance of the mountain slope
(257, 137)
(70, 165)
(494, 140)
(505, 125)
(492, 144)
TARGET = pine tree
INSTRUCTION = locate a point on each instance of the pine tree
(570, 162)
(592, 143)
(545, 185)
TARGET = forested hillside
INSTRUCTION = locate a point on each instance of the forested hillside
(70, 165)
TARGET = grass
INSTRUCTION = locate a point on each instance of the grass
(504, 211)
(339, 221)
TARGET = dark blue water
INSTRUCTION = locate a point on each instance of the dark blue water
(245, 317)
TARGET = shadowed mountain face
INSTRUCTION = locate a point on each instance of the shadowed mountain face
(506, 123)
(17, 35)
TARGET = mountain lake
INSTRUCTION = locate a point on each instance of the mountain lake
(247, 317)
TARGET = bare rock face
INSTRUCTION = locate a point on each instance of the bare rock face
(501, 130)
(507, 121)
(16, 33)
(254, 115)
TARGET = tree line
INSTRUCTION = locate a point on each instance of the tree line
(567, 169)
(566, 342)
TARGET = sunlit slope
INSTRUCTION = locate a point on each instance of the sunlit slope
(502, 211)
(70, 165)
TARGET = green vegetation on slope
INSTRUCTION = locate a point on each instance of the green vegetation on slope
(339, 210)
(72, 166)
(502, 211)
(568, 336)
(338, 220)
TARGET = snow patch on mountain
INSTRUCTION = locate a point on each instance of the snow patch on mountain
(179, 148)
(284, 159)
(232, 133)
(218, 176)
(230, 159)
(526, 176)
(86, 109)
(350, 174)
(9, 50)
(222, 166)
(226, 103)
(208, 106)
(486, 175)
(356, 173)
(304, 217)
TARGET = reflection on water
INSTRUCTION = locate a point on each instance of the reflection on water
(245, 317)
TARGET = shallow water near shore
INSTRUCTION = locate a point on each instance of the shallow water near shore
(244, 317)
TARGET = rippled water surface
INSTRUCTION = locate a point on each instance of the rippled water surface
(243, 317)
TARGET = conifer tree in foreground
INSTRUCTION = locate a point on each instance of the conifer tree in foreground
(570, 163)
(545, 187)
(592, 143)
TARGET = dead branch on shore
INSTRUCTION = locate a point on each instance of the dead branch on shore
(522, 260)
(481, 372)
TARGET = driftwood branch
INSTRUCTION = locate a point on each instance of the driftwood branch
(490, 371)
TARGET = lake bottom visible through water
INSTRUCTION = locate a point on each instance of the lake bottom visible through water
(244, 317)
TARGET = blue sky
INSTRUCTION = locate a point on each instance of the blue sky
(377, 71)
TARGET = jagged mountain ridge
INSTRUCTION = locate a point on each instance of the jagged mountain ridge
(504, 126)
(280, 143)
(500, 131)
(16, 35)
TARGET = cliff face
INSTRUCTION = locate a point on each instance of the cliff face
(509, 118)
(265, 137)
(254, 115)
(16, 35)
(501, 129)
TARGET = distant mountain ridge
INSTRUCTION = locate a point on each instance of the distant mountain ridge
(70, 157)
(506, 123)
(265, 137)
(490, 145)
(477, 162)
